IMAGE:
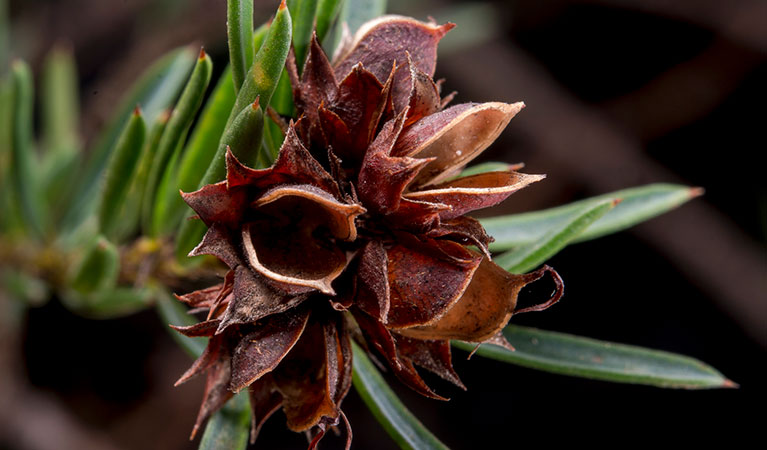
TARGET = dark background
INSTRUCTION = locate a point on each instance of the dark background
(619, 93)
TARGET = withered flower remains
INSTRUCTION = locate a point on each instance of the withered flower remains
(358, 229)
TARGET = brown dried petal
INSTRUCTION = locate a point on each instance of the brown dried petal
(382, 340)
(484, 309)
(466, 230)
(283, 244)
(425, 279)
(454, 137)
(294, 165)
(206, 328)
(431, 355)
(254, 299)
(383, 41)
(318, 84)
(260, 351)
(217, 242)
(302, 380)
(383, 178)
(208, 357)
(422, 99)
(217, 391)
(373, 281)
(264, 401)
(202, 298)
(214, 203)
(474, 192)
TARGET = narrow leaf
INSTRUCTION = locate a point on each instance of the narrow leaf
(589, 358)
(60, 102)
(172, 312)
(239, 22)
(403, 427)
(153, 213)
(120, 172)
(327, 11)
(639, 204)
(303, 14)
(261, 80)
(10, 220)
(228, 428)
(23, 159)
(531, 255)
(130, 212)
(155, 92)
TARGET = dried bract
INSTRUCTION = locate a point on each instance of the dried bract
(358, 226)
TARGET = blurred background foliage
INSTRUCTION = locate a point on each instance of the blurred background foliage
(619, 93)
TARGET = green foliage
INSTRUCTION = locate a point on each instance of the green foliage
(229, 427)
(401, 425)
(239, 22)
(23, 159)
(120, 172)
(589, 358)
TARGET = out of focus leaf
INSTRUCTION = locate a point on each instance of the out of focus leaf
(60, 102)
(120, 172)
(228, 428)
(401, 425)
(327, 11)
(24, 287)
(356, 12)
(530, 256)
(639, 204)
(153, 214)
(155, 92)
(589, 358)
(23, 159)
(239, 23)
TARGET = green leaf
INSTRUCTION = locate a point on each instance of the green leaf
(228, 428)
(589, 358)
(406, 430)
(327, 11)
(173, 312)
(273, 139)
(60, 102)
(98, 269)
(23, 158)
(119, 174)
(10, 220)
(155, 92)
(639, 204)
(303, 13)
(531, 255)
(239, 22)
(153, 208)
(130, 212)
(262, 78)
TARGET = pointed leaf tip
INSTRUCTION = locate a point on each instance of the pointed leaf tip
(283, 5)
(137, 110)
(696, 191)
(255, 105)
(203, 55)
